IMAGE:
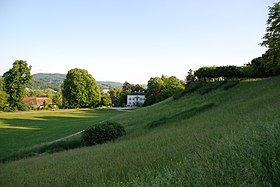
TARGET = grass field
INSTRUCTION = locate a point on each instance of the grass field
(25, 129)
(224, 138)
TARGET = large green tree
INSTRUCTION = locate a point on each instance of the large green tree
(15, 82)
(272, 35)
(271, 40)
(160, 88)
(80, 89)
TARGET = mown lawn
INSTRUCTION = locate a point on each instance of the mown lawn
(222, 138)
(25, 129)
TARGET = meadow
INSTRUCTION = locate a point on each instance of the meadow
(224, 137)
(22, 130)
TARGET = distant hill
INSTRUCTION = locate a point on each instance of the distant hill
(109, 84)
(42, 81)
(55, 78)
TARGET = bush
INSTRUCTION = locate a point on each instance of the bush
(102, 132)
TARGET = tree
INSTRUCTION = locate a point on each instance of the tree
(137, 88)
(80, 89)
(127, 86)
(1, 84)
(272, 35)
(106, 100)
(271, 40)
(160, 88)
(190, 77)
(15, 82)
(115, 95)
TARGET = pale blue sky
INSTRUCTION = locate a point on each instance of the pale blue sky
(130, 40)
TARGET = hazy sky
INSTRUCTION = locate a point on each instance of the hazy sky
(130, 40)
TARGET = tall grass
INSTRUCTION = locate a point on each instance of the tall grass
(234, 143)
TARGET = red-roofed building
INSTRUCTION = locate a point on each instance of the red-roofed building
(37, 102)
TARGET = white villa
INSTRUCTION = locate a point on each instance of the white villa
(136, 99)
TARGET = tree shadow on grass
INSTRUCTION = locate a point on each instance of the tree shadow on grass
(27, 130)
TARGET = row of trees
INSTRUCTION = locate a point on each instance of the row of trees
(79, 90)
(207, 73)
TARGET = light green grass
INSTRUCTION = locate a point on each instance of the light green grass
(25, 129)
(235, 142)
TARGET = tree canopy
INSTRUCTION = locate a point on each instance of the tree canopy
(15, 82)
(160, 88)
(271, 39)
(269, 63)
(80, 89)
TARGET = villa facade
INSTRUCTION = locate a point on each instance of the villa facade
(136, 99)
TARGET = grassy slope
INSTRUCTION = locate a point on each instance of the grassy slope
(235, 142)
(25, 129)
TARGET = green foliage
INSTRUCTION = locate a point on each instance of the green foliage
(123, 98)
(15, 82)
(161, 88)
(102, 132)
(3, 100)
(80, 89)
(272, 35)
(190, 77)
(1, 84)
(228, 72)
(105, 100)
(115, 95)
(269, 63)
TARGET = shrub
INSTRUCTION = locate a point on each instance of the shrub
(102, 132)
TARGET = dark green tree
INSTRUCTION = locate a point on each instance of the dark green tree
(106, 100)
(137, 88)
(190, 77)
(115, 95)
(80, 89)
(15, 82)
(160, 88)
(271, 40)
(127, 86)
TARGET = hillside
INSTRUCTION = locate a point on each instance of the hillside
(42, 81)
(222, 138)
